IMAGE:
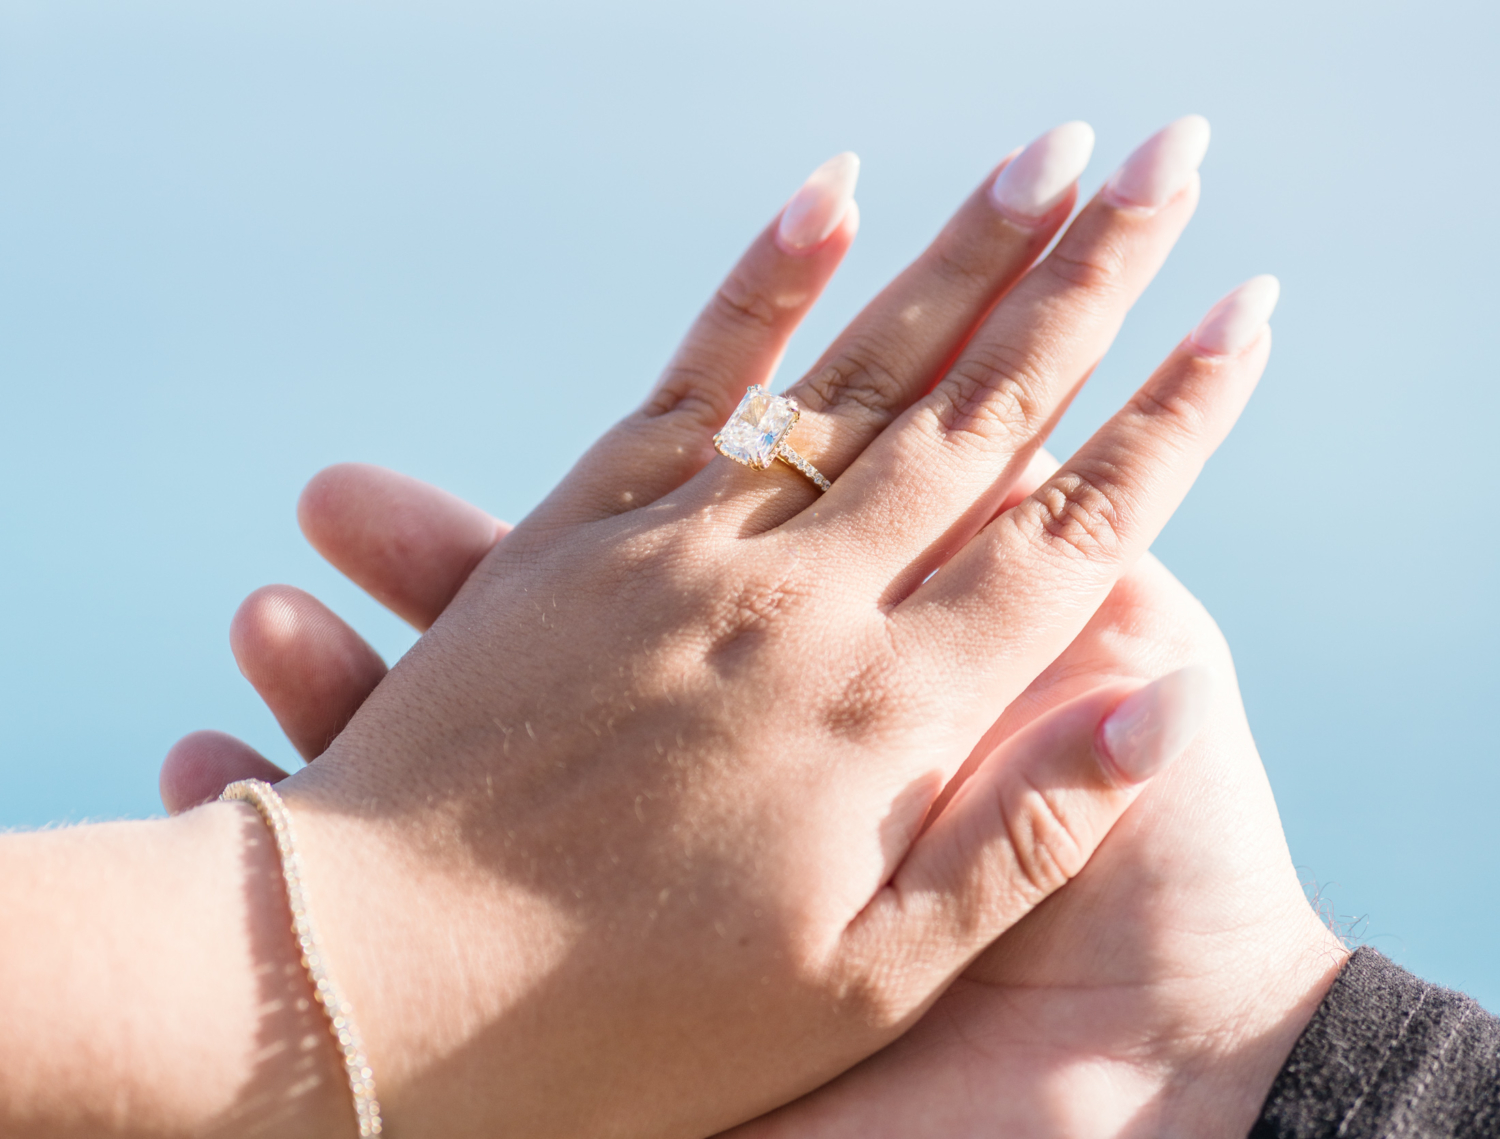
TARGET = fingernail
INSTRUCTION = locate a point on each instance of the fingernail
(1161, 166)
(1234, 323)
(1152, 727)
(816, 210)
(1040, 176)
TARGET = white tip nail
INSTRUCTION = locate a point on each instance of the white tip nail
(1038, 178)
(1152, 727)
(817, 208)
(1160, 167)
(1235, 322)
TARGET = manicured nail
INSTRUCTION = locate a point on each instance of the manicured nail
(816, 210)
(1161, 166)
(1152, 727)
(1234, 323)
(1040, 176)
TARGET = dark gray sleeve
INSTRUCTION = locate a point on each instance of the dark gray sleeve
(1387, 1056)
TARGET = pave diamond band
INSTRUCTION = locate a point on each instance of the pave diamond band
(791, 458)
(755, 435)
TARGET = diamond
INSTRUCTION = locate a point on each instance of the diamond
(756, 428)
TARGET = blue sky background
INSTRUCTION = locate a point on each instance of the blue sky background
(241, 241)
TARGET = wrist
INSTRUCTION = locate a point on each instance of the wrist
(153, 987)
(281, 1070)
(434, 960)
(1248, 1021)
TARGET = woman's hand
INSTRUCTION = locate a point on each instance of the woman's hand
(1157, 994)
(786, 736)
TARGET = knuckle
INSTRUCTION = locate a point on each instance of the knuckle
(993, 392)
(749, 615)
(960, 261)
(739, 301)
(1096, 268)
(690, 392)
(1049, 849)
(856, 380)
(1176, 407)
(695, 385)
(1078, 513)
(868, 701)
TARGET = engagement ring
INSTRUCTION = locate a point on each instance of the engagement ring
(755, 435)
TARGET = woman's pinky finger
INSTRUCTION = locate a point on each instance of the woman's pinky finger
(737, 340)
(1030, 580)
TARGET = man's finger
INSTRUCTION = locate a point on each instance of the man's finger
(202, 764)
(312, 670)
(406, 543)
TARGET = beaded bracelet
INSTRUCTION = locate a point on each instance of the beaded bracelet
(263, 797)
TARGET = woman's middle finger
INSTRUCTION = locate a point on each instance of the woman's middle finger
(894, 349)
(890, 354)
(946, 466)
(886, 358)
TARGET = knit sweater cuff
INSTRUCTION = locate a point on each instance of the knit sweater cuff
(1388, 1056)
